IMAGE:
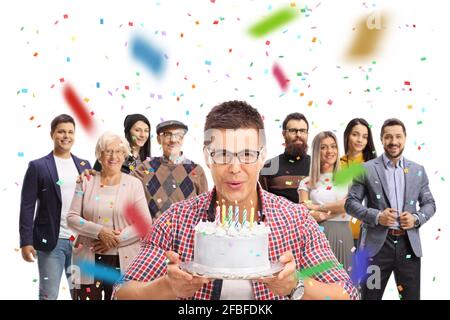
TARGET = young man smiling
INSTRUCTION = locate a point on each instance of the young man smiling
(234, 149)
(50, 183)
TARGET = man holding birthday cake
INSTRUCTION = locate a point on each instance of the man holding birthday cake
(237, 241)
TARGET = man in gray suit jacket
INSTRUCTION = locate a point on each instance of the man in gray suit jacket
(393, 187)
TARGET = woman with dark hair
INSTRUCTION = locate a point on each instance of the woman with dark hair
(137, 132)
(359, 148)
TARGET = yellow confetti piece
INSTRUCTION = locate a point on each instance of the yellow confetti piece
(86, 100)
(409, 106)
(406, 170)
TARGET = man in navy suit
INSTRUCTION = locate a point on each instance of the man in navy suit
(47, 192)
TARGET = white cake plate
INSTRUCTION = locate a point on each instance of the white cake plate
(202, 271)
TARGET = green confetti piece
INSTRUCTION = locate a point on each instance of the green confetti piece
(419, 122)
(315, 270)
(273, 22)
(59, 182)
(434, 278)
(346, 175)
(423, 58)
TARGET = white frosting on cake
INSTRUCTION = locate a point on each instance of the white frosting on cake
(232, 248)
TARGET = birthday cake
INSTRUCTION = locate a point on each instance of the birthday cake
(228, 249)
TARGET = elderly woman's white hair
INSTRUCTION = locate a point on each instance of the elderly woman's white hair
(106, 139)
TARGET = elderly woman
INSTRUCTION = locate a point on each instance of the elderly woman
(97, 215)
(137, 132)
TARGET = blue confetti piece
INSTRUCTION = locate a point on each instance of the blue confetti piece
(360, 262)
(24, 90)
(68, 59)
(20, 154)
(101, 20)
(97, 84)
(187, 112)
(321, 228)
(411, 202)
(100, 271)
(148, 55)
(378, 197)
(207, 62)
(419, 173)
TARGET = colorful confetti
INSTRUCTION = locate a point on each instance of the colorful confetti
(78, 108)
(273, 22)
(147, 54)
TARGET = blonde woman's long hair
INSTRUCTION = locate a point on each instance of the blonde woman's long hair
(314, 172)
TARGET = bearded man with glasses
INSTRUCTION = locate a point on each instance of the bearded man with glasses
(282, 175)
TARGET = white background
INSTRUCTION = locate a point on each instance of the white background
(99, 53)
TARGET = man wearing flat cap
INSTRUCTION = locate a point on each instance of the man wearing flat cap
(172, 177)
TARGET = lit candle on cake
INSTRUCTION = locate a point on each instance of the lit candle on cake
(230, 215)
(218, 214)
(224, 212)
(244, 217)
(236, 215)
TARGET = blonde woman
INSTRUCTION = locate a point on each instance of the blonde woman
(105, 235)
(326, 201)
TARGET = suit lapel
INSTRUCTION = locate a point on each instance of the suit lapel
(409, 183)
(379, 167)
(51, 166)
(81, 165)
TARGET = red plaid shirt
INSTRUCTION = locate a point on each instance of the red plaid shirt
(292, 228)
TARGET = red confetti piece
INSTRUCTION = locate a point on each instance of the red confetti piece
(407, 83)
(137, 219)
(216, 22)
(329, 188)
(72, 238)
(66, 16)
(31, 118)
(75, 103)
(267, 42)
(280, 76)
(127, 88)
(130, 24)
(330, 102)
(35, 54)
